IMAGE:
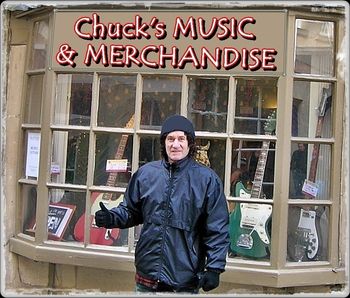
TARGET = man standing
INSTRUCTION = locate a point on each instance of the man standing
(181, 205)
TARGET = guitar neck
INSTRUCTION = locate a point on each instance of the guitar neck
(260, 170)
(324, 105)
(119, 154)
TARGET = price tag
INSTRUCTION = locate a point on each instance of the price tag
(116, 165)
(310, 188)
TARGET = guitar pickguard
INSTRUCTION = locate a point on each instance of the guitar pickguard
(307, 230)
(255, 216)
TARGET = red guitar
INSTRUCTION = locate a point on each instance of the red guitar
(99, 235)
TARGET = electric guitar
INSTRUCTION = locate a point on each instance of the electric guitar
(306, 231)
(248, 228)
(100, 235)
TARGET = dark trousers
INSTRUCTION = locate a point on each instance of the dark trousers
(162, 287)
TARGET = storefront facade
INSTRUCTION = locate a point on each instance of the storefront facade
(87, 88)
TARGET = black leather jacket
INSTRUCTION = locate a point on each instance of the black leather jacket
(185, 221)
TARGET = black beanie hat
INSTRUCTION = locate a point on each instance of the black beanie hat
(177, 122)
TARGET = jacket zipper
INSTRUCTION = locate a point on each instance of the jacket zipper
(164, 226)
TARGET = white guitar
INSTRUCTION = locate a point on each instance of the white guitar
(306, 230)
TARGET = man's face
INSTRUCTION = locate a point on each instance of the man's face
(176, 145)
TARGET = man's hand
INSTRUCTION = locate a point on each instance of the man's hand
(103, 217)
(210, 280)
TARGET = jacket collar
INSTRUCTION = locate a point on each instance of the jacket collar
(176, 166)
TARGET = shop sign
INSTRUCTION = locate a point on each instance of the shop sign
(241, 41)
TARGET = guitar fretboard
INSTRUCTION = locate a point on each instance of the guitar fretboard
(260, 169)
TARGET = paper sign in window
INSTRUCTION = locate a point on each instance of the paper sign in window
(116, 165)
(33, 153)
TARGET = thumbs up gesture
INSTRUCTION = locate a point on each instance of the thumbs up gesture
(103, 217)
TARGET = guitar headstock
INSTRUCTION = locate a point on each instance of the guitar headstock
(325, 102)
(131, 122)
(270, 124)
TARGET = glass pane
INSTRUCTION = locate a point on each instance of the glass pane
(39, 47)
(207, 103)
(308, 229)
(314, 47)
(73, 99)
(32, 109)
(32, 154)
(116, 100)
(211, 153)
(69, 157)
(28, 208)
(253, 169)
(310, 174)
(149, 149)
(103, 236)
(113, 159)
(66, 211)
(161, 97)
(252, 176)
(250, 231)
(256, 100)
(312, 112)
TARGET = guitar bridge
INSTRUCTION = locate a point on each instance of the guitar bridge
(245, 241)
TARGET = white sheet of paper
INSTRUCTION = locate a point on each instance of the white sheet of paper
(33, 153)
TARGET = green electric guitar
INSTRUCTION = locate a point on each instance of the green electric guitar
(249, 233)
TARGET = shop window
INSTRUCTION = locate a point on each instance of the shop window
(314, 47)
(73, 99)
(252, 178)
(113, 159)
(116, 100)
(39, 45)
(207, 103)
(69, 157)
(161, 97)
(309, 180)
(312, 109)
(65, 211)
(311, 160)
(256, 101)
(308, 228)
(28, 202)
(32, 110)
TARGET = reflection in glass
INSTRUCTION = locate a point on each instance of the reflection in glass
(210, 152)
(66, 207)
(69, 159)
(73, 99)
(207, 103)
(314, 47)
(312, 109)
(116, 100)
(113, 159)
(256, 100)
(149, 149)
(39, 46)
(161, 96)
(310, 167)
(307, 233)
(32, 109)
(28, 208)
